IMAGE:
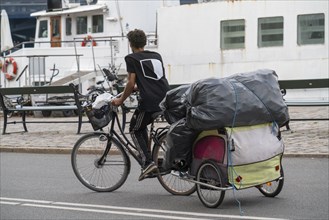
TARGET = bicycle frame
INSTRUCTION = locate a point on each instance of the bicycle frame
(126, 143)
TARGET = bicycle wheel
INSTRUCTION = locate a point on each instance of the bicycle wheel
(46, 113)
(171, 183)
(210, 174)
(101, 174)
(68, 113)
(273, 188)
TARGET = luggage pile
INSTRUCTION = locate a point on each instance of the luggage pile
(243, 99)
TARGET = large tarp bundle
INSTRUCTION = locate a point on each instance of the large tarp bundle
(242, 99)
(239, 100)
(180, 139)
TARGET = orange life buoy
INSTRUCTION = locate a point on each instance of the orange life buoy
(88, 39)
(12, 75)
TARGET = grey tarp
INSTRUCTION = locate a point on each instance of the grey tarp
(239, 100)
(180, 139)
(174, 104)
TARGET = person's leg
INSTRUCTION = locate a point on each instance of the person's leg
(139, 134)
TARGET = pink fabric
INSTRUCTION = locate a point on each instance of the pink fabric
(210, 147)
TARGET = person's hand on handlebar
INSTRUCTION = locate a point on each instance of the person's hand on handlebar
(117, 101)
(135, 88)
(127, 90)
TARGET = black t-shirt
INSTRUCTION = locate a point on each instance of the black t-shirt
(150, 78)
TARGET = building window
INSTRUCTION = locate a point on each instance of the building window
(68, 26)
(232, 34)
(43, 29)
(270, 32)
(82, 25)
(310, 29)
(97, 23)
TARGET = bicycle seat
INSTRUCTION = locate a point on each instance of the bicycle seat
(157, 114)
(100, 82)
(109, 75)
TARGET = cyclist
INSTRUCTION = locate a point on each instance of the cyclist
(145, 69)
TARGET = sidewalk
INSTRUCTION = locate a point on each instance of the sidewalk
(306, 138)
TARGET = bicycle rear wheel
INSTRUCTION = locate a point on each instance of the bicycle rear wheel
(96, 169)
(171, 183)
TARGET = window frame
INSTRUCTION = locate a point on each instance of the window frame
(41, 32)
(260, 32)
(85, 31)
(68, 32)
(226, 46)
(101, 26)
(301, 41)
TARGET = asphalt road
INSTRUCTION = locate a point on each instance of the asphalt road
(43, 186)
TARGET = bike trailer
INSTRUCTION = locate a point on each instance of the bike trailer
(210, 145)
(246, 156)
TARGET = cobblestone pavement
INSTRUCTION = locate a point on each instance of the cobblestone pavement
(310, 138)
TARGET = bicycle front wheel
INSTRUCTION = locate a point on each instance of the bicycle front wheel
(100, 163)
(171, 183)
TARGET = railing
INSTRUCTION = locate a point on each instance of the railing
(108, 40)
(112, 41)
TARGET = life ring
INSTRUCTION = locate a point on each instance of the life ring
(12, 75)
(88, 39)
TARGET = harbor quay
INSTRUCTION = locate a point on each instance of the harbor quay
(305, 138)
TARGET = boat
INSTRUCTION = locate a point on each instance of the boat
(74, 41)
(212, 38)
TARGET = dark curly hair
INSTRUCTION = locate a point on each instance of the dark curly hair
(137, 38)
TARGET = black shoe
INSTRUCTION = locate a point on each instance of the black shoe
(148, 169)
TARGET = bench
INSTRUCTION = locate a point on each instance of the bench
(45, 90)
(304, 84)
(288, 85)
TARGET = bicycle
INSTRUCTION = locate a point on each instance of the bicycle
(14, 102)
(101, 162)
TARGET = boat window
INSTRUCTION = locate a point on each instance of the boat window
(56, 26)
(97, 23)
(85, 2)
(232, 34)
(82, 25)
(43, 29)
(68, 26)
(310, 29)
(270, 32)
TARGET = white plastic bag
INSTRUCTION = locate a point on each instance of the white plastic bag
(101, 100)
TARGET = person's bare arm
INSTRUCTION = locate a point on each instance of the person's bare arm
(129, 88)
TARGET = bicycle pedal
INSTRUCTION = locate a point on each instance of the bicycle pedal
(179, 174)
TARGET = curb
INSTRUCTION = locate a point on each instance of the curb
(306, 155)
(65, 150)
(36, 150)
